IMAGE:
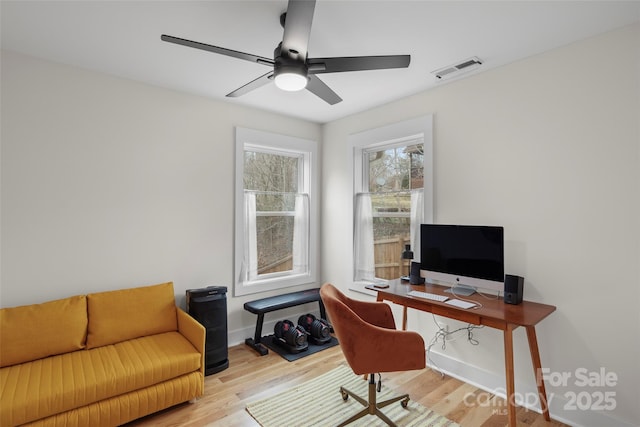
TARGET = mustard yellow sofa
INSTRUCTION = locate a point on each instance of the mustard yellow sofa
(101, 359)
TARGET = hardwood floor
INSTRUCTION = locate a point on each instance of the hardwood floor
(251, 377)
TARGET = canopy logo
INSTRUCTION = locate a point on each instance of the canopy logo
(592, 395)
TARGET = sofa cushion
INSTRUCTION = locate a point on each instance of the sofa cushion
(153, 359)
(117, 316)
(38, 389)
(35, 331)
(121, 409)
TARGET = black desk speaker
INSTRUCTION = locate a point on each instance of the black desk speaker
(209, 307)
(513, 289)
(415, 278)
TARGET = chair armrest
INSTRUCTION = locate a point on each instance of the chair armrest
(194, 332)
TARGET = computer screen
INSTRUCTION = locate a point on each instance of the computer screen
(463, 255)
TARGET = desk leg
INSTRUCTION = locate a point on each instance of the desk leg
(508, 362)
(404, 317)
(537, 369)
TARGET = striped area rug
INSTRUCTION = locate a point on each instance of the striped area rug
(318, 403)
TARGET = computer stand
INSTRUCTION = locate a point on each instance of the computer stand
(461, 290)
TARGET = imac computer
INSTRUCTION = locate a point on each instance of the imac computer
(465, 257)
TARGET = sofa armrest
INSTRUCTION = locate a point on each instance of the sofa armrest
(194, 332)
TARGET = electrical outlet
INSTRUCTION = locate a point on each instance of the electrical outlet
(448, 336)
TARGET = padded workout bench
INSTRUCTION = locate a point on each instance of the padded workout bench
(278, 302)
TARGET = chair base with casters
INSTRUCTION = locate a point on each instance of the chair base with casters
(371, 344)
(372, 406)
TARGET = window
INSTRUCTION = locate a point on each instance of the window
(275, 211)
(393, 190)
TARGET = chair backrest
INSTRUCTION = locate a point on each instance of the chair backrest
(377, 313)
(367, 335)
(341, 315)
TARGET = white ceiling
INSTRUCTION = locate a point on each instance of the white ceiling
(123, 38)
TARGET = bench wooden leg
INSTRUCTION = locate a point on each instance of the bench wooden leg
(259, 347)
(323, 313)
(254, 342)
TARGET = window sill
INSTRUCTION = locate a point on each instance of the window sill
(273, 284)
(360, 288)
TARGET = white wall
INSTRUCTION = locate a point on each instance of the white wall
(549, 148)
(109, 183)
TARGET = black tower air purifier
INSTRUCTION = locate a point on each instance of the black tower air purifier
(209, 307)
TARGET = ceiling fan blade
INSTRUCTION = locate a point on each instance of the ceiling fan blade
(215, 49)
(357, 63)
(320, 89)
(253, 84)
(297, 27)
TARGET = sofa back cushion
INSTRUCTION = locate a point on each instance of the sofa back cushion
(116, 316)
(35, 331)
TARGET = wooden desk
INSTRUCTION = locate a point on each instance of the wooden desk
(495, 314)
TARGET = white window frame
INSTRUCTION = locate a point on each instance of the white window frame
(307, 150)
(396, 134)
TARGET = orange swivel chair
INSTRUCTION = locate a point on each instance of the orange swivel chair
(371, 344)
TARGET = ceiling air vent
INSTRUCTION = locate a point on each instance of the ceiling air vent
(457, 69)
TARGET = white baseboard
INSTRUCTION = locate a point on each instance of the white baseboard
(239, 335)
(526, 394)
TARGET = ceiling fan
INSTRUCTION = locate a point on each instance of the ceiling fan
(292, 70)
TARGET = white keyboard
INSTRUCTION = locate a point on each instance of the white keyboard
(427, 295)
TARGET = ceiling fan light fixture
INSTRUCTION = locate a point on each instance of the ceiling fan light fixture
(291, 80)
(292, 69)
